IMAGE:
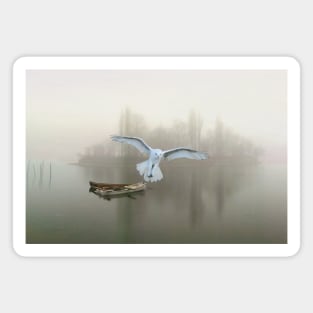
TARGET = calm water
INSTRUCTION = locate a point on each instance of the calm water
(194, 203)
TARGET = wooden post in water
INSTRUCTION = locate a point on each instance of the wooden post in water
(50, 176)
(27, 173)
(41, 173)
(34, 172)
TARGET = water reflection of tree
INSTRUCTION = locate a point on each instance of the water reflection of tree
(220, 190)
(228, 179)
(125, 211)
(206, 187)
(197, 205)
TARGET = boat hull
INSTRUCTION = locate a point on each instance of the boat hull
(109, 190)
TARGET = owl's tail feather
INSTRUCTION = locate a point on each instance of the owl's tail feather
(157, 174)
(143, 169)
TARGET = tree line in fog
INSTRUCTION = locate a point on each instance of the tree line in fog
(218, 140)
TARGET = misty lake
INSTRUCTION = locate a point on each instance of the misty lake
(196, 202)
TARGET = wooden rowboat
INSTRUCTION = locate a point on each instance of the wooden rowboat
(109, 190)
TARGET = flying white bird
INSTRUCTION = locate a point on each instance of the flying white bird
(150, 168)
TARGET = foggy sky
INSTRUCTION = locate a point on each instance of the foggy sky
(69, 110)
